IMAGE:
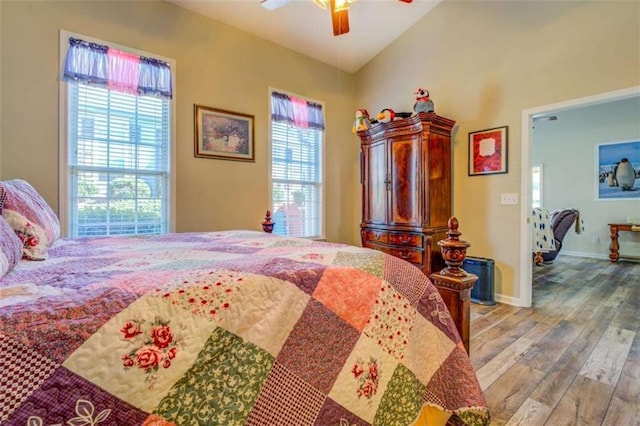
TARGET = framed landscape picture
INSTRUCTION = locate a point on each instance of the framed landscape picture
(618, 170)
(488, 151)
(222, 134)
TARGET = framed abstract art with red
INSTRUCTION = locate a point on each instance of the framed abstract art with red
(488, 151)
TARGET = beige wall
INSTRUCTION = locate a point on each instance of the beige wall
(216, 66)
(484, 63)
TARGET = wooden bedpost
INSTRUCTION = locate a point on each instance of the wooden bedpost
(453, 283)
(267, 225)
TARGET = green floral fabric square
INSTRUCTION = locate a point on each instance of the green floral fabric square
(402, 399)
(371, 262)
(228, 374)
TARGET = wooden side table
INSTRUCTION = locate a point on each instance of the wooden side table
(614, 247)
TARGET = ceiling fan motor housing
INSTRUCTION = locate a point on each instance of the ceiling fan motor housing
(339, 15)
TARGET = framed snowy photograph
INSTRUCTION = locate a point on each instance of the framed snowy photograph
(618, 165)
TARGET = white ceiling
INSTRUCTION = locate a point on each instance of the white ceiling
(302, 26)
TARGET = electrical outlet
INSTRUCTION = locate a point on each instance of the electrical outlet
(595, 239)
(509, 199)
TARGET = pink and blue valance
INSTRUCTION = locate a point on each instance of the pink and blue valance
(117, 70)
(296, 111)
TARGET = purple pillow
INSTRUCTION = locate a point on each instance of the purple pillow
(10, 247)
(22, 198)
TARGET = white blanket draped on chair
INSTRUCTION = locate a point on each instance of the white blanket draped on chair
(579, 224)
(543, 240)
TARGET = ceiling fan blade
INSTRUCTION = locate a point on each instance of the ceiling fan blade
(273, 4)
(339, 19)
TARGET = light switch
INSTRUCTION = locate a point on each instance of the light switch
(509, 199)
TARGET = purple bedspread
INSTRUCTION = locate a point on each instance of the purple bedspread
(228, 328)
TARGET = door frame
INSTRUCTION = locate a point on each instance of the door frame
(526, 269)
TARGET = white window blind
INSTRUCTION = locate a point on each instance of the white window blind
(118, 162)
(297, 180)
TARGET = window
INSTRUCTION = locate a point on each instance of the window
(297, 166)
(536, 185)
(117, 162)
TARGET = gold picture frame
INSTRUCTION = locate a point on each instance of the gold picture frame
(222, 134)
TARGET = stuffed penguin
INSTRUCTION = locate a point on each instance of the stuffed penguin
(423, 103)
(362, 121)
(387, 115)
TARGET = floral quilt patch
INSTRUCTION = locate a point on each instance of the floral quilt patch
(153, 346)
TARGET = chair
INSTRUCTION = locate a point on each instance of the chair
(543, 240)
(561, 221)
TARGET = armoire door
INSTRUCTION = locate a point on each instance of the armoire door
(375, 183)
(405, 203)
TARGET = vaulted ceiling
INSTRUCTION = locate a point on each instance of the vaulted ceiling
(303, 27)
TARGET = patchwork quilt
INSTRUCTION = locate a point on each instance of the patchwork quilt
(228, 328)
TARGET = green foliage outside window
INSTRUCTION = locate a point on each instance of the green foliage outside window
(122, 211)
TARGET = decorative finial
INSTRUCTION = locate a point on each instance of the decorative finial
(267, 225)
(453, 250)
(453, 232)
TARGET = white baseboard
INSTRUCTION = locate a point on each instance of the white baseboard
(508, 300)
(623, 257)
(585, 254)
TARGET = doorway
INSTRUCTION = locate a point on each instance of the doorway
(526, 271)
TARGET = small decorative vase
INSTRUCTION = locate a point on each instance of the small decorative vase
(267, 225)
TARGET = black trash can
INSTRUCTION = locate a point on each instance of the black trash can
(483, 290)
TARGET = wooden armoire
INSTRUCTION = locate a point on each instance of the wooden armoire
(406, 188)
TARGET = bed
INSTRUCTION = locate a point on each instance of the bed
(220, 328)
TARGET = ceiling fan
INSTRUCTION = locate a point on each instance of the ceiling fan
(339, 11)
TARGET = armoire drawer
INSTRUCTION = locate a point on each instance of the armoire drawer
(408, 254)
(376, 236)
(405, 239)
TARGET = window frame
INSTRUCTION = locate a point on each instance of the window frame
(323, 143)
(63, 140)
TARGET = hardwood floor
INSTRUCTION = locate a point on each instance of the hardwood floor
(573, 358)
